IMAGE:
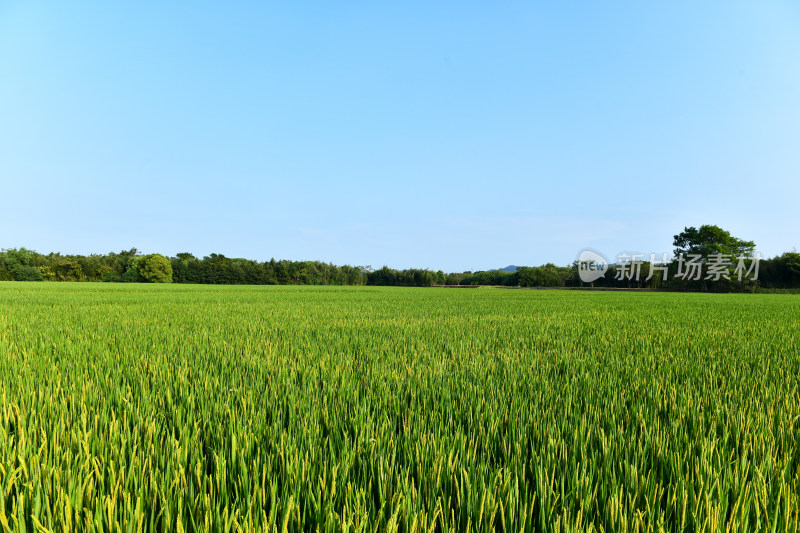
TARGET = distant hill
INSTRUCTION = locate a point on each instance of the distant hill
(510, 268)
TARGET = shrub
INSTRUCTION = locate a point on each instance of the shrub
(27, 273)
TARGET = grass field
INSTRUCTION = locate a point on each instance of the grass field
(210, 408)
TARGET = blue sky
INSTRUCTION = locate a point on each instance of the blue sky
(460, 136)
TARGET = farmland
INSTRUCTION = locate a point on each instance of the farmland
(187, 408)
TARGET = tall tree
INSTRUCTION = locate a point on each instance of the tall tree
(708, 240)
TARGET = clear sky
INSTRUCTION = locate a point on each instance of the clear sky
(460, 135)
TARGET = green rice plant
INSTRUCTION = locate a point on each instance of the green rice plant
(219, 408)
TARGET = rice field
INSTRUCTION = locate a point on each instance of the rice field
(128, 407)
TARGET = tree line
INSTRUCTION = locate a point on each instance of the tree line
(781, 272)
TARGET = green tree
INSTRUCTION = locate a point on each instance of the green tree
(131, 274)
(27, 273)
(708, 240)
(21, 263)
(155, 268)
(793, 262)
(69, 270)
